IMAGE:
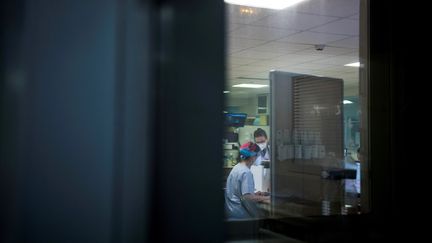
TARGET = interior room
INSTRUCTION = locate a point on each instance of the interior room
(314, 39)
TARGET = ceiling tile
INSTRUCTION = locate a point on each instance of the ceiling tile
(235, 15)
(349, 42)
(337, 60)
(294, 58)
(328, 51)
(263, 75)
(260, 33)
(308, 37)
(281, 47)
(232, 26)
(256, 54)
(241, 61)
(314, 66)
(342, 27)
(337, 8)
(293, 20)
(253, 68)
(243, 43)
(284, 40)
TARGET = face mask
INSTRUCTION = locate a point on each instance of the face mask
(262, 145)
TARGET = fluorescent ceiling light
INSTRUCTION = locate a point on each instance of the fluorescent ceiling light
(272, 4)
(354, 64)
(347, 102)
(226, 91)
(253, 86)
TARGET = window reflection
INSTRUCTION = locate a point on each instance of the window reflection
(306, 102)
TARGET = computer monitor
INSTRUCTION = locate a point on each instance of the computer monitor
(235, 119)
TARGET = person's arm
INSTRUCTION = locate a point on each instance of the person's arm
(257, 198)
(262, 193)
(248, 187)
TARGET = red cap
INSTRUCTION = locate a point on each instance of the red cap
(249, 149)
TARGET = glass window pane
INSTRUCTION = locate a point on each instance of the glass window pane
(295, 73)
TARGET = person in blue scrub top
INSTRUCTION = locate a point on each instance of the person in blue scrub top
(240, 185)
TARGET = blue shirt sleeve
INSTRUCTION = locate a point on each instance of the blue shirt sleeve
(247, 183)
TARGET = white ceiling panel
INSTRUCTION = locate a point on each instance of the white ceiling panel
(295, 58)
(241, 61)
(294, 20)
(318, 54)
(260, 33)
(275, 64)
(243, 43)
(354, 54)
(263, 75)
(337, 8)
(233, 49)
(314, 66)
(235, 74)
(281, 47)
(343, 70)
(260, 64)
(341, 27)
(327, 52)
(235, 15)
(232, 26)
(285, 40)
(253, 68)
(308, 37)
(256, 54)
(338, 60)
(349, 42)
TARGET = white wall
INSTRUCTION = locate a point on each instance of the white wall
(246, 104)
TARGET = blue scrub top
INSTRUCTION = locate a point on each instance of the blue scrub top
(240, 182)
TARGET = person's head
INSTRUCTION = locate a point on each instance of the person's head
(248, 153)
(260, 137)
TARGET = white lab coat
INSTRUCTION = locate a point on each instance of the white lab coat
(263, 155)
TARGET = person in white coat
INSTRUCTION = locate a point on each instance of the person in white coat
(261, 139)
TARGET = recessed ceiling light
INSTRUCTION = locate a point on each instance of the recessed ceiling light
(347, 102)
(249, 11)
(271, 4)
(354, 64)
(253, 86)
(226, 91)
